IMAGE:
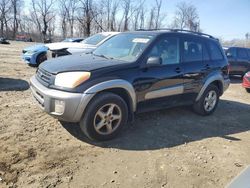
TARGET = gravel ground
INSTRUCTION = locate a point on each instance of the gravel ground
(167, 148)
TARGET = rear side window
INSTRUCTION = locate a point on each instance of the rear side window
(215, 51)
(242, 53)
(194, 50)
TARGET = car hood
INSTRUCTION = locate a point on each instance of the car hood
(78, 62)
(80, 50)
(36, 47)
(65, 45)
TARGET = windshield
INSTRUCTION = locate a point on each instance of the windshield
(72, 40)
(126, 46)
(67, 40)
(95, 39)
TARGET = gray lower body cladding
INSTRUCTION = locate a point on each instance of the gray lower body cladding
(64, 106)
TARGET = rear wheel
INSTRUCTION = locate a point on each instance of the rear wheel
(105, 116)
(248, 90)
(208, 102)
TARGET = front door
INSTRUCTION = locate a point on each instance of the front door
(161, 86)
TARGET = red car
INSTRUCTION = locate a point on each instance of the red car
(246, 81)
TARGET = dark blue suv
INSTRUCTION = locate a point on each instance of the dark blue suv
(133, 72)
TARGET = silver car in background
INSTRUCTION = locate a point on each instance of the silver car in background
(86, 46)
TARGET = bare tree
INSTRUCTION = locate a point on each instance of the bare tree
(151, 18)
(137, 13)
(43, 13)
(158, 11)
(63, 17)
(86, 16)
(186, 16)
(5, 7)
(16, 5)
(127, 9)
(142, 17)
(106, 8)
(180, 16)
(71, 11)
(67, 14)
(192, 21)
(114, 10)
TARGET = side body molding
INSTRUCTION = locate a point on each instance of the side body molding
(117, 83)
(211, 78)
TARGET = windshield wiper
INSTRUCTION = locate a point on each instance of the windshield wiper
(89, 53)
(101, 55)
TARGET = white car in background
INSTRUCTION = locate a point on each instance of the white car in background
(86, 46)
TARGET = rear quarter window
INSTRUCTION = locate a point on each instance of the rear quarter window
(194, 50)
(215, 51)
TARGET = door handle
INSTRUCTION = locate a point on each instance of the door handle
(207, 66)
(178, 70)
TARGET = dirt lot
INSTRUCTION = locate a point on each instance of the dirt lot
(168, 148)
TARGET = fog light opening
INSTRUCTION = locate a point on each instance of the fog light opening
(59, 106)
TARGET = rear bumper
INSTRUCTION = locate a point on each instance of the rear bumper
(62, 105)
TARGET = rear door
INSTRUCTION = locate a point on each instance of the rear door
(195, 64)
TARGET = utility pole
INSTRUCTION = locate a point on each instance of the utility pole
(247, 37)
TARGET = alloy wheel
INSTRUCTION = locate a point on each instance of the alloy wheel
(107, 119)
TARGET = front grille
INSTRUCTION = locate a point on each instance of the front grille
(37, 96)
(44, 75)
(61, 53)
(39, 102)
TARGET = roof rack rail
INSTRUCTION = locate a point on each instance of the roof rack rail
(179, 30)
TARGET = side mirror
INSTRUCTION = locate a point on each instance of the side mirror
(229, 55)
(154, 61)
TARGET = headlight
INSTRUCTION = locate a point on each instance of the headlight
(71, 79)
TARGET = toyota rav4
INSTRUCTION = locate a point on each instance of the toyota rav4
(132, 72)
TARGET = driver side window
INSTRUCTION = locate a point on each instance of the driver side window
(168, 49)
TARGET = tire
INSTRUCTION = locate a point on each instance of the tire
(200, 106)
(40, 58)
(248, 90)
(101, 104)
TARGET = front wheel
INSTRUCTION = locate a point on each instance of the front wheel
(208, 102)
(248, 90)
(105, 116)
(41, 58)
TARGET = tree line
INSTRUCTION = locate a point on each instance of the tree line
(43, 19)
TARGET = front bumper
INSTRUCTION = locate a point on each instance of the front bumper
(48, 99)
(29, 58)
